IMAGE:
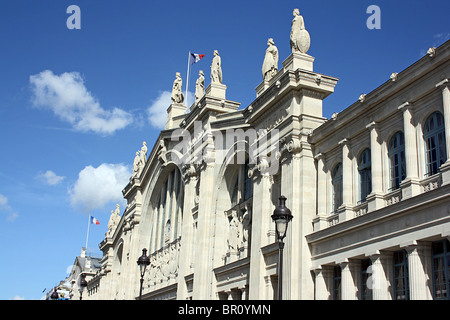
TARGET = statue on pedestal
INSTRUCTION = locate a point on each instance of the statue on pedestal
(177, 95)
(216, 68)
(300, 39)
(200, 86)
(270, 64)
(114, 220)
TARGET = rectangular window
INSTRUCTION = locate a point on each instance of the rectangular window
(337, 283)
(401, 281)
(366, 281)
(441, 269)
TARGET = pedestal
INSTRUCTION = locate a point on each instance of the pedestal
(216, 90)
(298, 61)
(174, 110)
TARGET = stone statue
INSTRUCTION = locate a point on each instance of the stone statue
(300, 39)
(200, 86)
(177, 95)
(136, 164)
(216, 68)
(114, 220)
(143, 153)
(270, 64)
(234, 233)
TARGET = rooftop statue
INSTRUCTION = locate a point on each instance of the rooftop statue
(177, 95)
(300, 39)
(270, 64)
(216, 68)
(200, 86)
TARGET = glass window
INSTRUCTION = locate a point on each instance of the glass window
(441, 269)
(366, 285)
(435, 149)
(397, 163)
(336, 180)
(401, 281)
(365, 175)
(337, 283)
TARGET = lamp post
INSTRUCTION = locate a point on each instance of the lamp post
(281, 216)
(143, 262)
(83, 284)
(54, 295)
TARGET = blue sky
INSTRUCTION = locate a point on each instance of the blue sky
(75, 105)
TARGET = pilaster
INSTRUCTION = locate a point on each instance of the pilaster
(204, 243)
(261, 219)
(187, 239)
(445, 168)
(375, 198)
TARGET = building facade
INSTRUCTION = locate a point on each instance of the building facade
(369, 190)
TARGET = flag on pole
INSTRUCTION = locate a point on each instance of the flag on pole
(195, 57)
(94, 221)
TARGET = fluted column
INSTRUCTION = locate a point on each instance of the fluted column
(375, 200)
(380, 277)
(345, 211)
(418, 273)
(321, 289)
(445, 168)
(410, 186)
(348, 280)
(320, 221)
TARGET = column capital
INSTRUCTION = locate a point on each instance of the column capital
(405, 106)
(344, 142)
(443, 84)
(372, 125)
(320, 156)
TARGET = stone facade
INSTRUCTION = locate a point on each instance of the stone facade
(363, 197)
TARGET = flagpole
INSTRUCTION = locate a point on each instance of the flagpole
(187, 79)
(87, 234)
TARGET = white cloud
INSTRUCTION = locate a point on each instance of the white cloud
(5, 208)
(50, 178)
(17, 297)
(99, 186)
(157, 112)
(69, 99)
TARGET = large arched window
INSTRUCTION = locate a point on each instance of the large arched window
(168, 211)
(336, 181)
(434, 136)
(365, 175)
(397, 164)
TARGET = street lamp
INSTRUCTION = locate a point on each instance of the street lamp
(143, 262)
(55, 294)
(83, 284)
(281, 216)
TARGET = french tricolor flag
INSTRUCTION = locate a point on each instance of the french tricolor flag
(195, 57)
(94, 221)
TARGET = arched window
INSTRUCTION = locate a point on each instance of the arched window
(434, 136)
(168, 211)
(336, 181)
(365, 175)
(397, 163)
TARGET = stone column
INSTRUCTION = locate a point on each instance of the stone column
(348, 283)
(375, 200)
(418, 272)
(321, 288)
(320, 221)
(347, 182)
(380, 277)
(410, 186)
(445, 168)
